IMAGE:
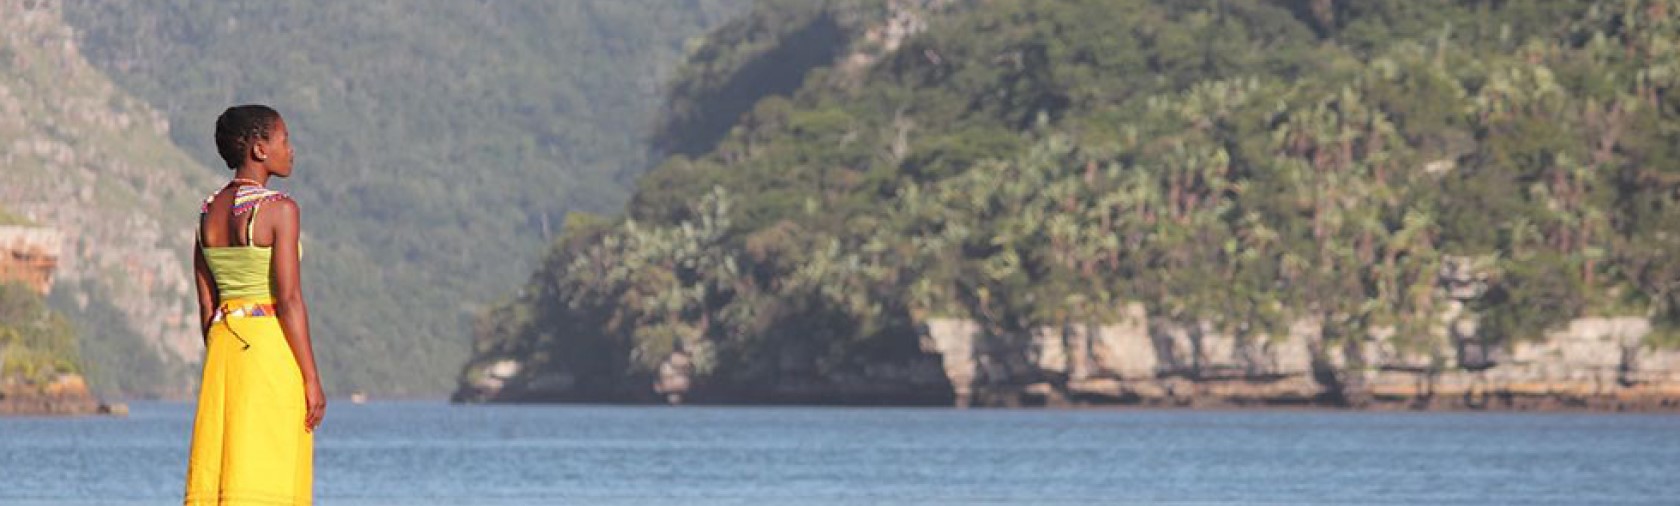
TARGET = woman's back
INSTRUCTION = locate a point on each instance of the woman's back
(238, 259)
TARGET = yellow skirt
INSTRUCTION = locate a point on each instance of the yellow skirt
(249, 445)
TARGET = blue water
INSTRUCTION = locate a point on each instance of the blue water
(433, 453)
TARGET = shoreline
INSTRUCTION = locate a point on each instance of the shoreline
(1233, 408)
(1224, 408)
(1496, 404)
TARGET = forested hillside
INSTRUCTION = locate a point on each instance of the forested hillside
(1025, 163)
(440, 144)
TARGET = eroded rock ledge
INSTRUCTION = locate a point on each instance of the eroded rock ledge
(67, 394)
(1595, 363)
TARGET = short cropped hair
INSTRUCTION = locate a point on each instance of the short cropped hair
(239, 127)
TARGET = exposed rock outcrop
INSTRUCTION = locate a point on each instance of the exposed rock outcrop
(29, 255)
(66, 394)
(1593, 363)
(1596, 363)
(903, 19)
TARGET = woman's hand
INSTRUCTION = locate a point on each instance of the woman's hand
(316, 401)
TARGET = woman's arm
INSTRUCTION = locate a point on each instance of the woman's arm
(294, 314)
(206, 292)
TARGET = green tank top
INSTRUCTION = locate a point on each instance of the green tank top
(242, 272)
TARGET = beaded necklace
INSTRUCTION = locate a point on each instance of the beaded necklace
(248, 194)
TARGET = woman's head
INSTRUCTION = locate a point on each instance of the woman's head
(254, 135)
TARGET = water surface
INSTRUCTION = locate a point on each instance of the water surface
(416, 453)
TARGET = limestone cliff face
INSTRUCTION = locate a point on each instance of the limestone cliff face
(79, 155)
(1599, 363)
(1593, 362)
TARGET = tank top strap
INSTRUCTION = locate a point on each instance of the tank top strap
(249, 223)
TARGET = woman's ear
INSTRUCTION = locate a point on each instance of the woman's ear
(258, 151)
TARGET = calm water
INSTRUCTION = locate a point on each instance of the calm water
(433, 453)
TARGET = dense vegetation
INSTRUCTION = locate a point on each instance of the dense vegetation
(36, 343)
(439, 143)
(1033, 162)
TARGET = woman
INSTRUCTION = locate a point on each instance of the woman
(260, 399)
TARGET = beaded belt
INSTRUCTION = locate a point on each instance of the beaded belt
(229, 311)
(243, 310)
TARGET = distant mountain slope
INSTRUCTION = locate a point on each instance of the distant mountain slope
(79, 154)
(440, 143)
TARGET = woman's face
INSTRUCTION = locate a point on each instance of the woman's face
(279, 150)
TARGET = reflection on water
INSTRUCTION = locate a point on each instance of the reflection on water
(434, 453)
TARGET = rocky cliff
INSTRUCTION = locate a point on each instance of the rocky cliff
(29, 255)
(82, 156)
(66, 394)
(1594, 363)
(1602, 362)
(1599, 363)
